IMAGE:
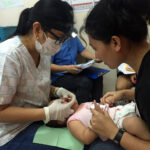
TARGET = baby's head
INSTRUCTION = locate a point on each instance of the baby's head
(58, 123)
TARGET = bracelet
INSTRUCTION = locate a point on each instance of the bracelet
(118, 136)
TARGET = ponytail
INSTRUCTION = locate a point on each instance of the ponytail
(50, 14)
(24, 25)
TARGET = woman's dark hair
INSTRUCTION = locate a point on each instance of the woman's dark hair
(50, 14)
(126, 18)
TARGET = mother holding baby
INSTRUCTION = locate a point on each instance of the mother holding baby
(117, 31)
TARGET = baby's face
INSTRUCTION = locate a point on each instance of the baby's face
(58, 123)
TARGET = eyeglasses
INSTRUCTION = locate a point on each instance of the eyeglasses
(59, 40)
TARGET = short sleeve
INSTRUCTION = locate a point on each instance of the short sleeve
(79, 45)
(83, 114)
(9, 78)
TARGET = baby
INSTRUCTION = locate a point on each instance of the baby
(123, 116)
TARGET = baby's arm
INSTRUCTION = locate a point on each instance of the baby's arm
(82, 133)
(136, 126)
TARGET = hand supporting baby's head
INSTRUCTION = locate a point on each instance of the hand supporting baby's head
(58, 123)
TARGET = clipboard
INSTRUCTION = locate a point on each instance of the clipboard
(94, 72)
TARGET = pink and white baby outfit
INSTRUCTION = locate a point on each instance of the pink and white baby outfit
(118, 113)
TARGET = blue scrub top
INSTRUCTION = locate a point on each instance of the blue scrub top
(67, 55)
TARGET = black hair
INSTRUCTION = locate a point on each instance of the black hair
(50, 14)
(126, 18)
(56, 124)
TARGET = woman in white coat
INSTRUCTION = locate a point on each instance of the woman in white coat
(25, 75)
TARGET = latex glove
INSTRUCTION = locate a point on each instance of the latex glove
(63, 93)
(58, 111)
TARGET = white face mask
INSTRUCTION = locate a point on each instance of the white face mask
(49, 47)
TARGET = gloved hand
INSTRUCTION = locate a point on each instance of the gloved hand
(63, 93)
(58, 111)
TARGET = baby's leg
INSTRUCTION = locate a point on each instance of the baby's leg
(136, 126)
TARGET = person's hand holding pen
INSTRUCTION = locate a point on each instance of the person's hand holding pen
(102, 124)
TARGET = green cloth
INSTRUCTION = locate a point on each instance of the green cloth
(60, 137)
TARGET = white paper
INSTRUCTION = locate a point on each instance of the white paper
(126, 69)
(10, 3)
(86, 65)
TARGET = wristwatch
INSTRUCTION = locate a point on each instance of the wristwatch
(118, 136)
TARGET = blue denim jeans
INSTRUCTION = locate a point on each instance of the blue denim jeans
(104, 145)
(24, 140)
